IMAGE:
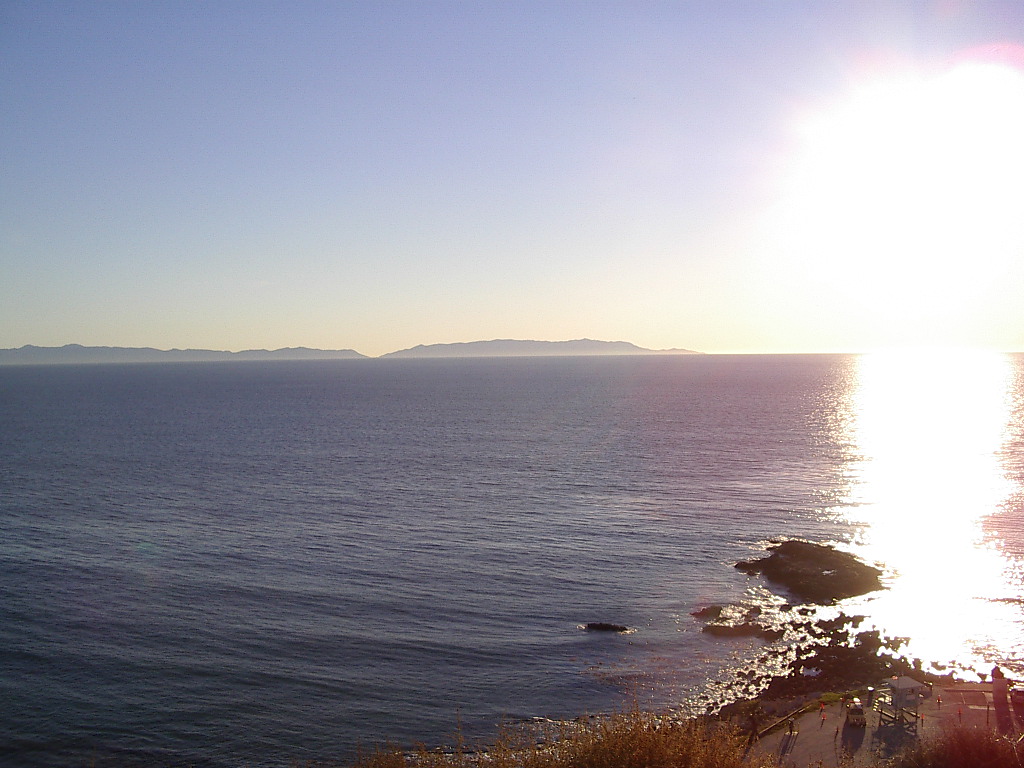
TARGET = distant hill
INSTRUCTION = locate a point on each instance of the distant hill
(516, 348)
(78, 354)
(71, 354)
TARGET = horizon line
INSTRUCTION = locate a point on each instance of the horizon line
(641, 351)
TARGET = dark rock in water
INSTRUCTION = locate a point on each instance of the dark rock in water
(815, 573)
(849, 661)
(709, 612)
(745, 629)
(600, 626)
(729, 630)
(841, 659)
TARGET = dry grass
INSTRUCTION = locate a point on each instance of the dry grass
(639, 740)
(631, 740)
(964, 748)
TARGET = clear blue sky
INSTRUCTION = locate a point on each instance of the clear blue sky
(721, 176)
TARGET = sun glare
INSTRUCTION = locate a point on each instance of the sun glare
(905, 196)
(929, 428)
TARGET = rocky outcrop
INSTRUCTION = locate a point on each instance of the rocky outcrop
(708, 612)
(601, 626)
(815, 573)
(833, 656)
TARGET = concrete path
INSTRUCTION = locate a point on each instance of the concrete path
(823, 736)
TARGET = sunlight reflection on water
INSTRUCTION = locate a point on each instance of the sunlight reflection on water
(928, 431)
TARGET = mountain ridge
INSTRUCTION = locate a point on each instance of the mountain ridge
(77, 354)
(531, 348)
(69, 354)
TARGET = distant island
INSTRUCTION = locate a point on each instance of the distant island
(71, 354)
(517, 348)
(77, 354)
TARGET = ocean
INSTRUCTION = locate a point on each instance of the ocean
(253, 563)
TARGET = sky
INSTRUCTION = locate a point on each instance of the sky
(720, 176)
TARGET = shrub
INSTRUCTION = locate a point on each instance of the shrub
(631, 740)
(964, 748)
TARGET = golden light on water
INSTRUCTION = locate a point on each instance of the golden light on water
(928, 429)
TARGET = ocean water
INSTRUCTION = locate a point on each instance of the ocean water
(227, 564)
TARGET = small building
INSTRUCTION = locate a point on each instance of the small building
(897, 702)
(906, 691)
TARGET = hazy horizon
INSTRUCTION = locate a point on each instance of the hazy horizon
(473, 348)
(722, 177)
(434, 351)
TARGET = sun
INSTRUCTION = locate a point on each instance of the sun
(904, 196)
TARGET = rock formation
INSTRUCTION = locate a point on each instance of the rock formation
(815, 573)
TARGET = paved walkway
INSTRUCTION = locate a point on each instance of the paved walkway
(824, 736)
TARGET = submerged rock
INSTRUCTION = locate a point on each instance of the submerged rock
(709, 612)
(815, 573)
(744, 629)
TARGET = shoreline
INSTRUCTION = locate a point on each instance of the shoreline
(815, 655)
(807, 705)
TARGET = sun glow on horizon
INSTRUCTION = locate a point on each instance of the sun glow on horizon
(903, 204)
